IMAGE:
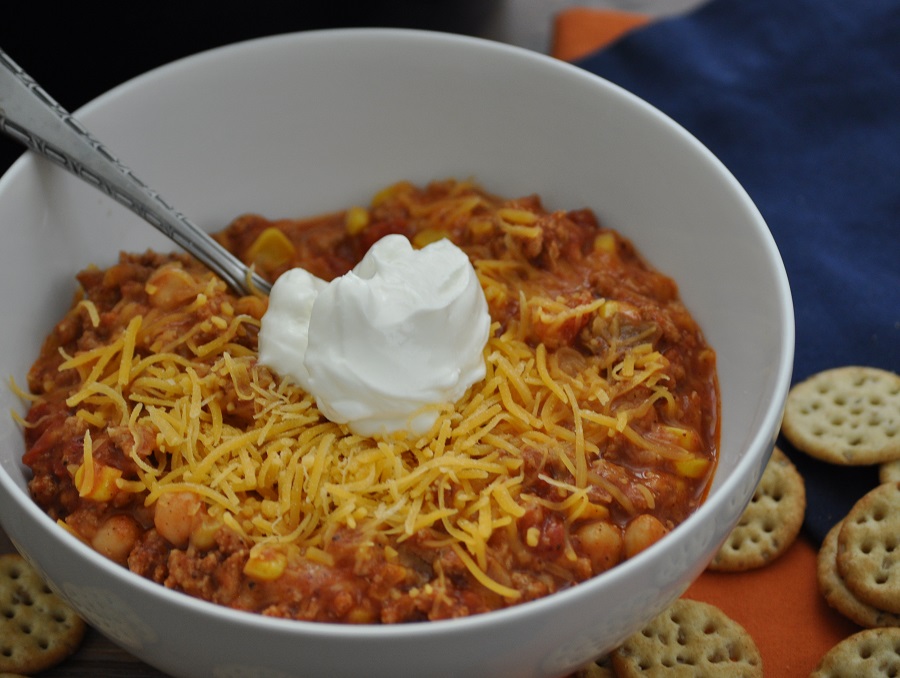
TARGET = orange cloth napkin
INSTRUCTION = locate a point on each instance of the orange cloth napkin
(579, 31)
(779, 605)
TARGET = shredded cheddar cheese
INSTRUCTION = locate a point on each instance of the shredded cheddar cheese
(198, 413)
(296, 477)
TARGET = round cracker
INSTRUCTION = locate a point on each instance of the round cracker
(691, 638)
(37, 629)
(770, 523)
(889, 472)
(873, 653)
(847, 415)
(868, 553)
(836, 593)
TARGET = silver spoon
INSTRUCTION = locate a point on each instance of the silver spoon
(31, 116)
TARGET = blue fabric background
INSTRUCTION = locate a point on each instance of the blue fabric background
(801, 101)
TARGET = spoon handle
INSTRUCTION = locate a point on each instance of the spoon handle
(32, 117)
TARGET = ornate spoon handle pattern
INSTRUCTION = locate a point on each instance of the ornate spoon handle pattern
(32, 117)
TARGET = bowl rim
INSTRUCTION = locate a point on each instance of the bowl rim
(754, 454)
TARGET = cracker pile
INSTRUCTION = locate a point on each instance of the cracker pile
(37, 629)
(851, 416)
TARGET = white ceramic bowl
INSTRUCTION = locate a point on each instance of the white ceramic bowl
(301, 124)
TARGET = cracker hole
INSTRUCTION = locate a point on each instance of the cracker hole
(716, 657)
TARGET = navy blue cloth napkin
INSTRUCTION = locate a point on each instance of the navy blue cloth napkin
(801, 101)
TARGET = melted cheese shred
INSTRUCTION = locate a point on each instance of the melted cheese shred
(294, 477)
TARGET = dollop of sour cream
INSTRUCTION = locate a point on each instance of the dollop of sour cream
(379, 347)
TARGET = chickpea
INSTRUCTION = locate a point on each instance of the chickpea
(116, 537)
(602, 542)
(175, 516)
(641, 532)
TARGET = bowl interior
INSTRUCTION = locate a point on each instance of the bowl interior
(297, 125)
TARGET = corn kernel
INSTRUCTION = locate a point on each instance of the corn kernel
(605, 242)
(480, 227)
(271, 249)
(104, 486)
(692, 468)
(593, 512)
(265, 564)
(427, 236)
(356, 220)
(532, 536)
(203, 536)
